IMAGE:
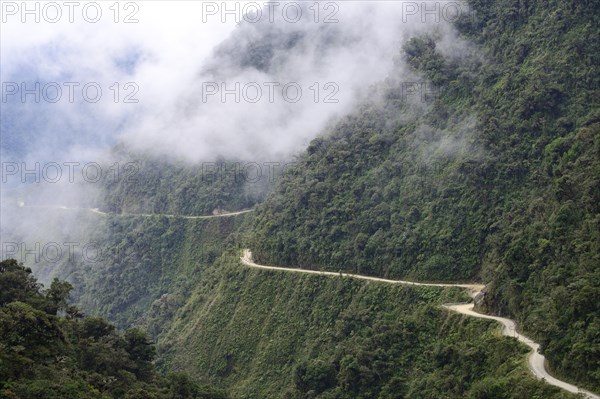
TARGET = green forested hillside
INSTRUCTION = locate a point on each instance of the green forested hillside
(134, 270)
(49, 350)
(278, 335)
(149, 267)
(499, 181)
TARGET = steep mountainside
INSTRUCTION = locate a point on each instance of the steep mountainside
(499, 181)
(276, 335)
(151, 185)
(149, 267)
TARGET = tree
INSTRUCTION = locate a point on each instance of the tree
(17, 283)
(58, 294)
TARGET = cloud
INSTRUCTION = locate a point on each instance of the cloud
(171, 62)
(160, 54)
(180, 50)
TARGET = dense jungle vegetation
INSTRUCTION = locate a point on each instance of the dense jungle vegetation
(281, 335)
(499, 181)
(48, 349)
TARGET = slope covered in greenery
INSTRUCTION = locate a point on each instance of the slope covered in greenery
(49, 350)
(133, 270)
(499, 181)
(272, 334)
(149, 267)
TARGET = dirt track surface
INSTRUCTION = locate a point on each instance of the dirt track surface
(99, 212)
(536, 361)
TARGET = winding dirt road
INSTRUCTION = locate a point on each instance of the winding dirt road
(474, 289)
(99, 212)
(220, 215)
(536, 361)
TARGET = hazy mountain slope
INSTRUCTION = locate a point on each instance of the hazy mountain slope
(151, 185)
(134, 270)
